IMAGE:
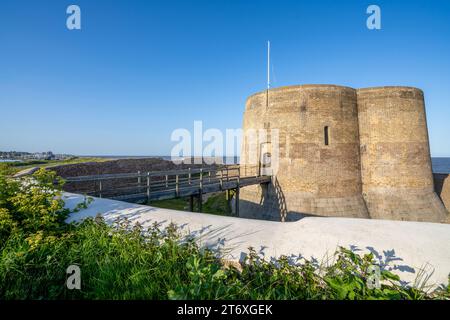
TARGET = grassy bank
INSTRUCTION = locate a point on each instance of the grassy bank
(14, 167)
(124, 261)
(214, 204)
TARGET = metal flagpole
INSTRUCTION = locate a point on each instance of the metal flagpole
(268, 73)
(268, 65)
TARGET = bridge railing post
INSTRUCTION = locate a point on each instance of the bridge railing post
(238, 176)
(148, 186)
(189, 176)
(100, 188)
(191, 203)
(236, 202)
(177, 187)
(139, 181)
(200, 195)
(200, 202)
(201, 179)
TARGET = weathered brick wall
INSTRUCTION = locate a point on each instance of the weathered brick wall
(386, 125)
(442, 187)
(395, 156)
(313, 178)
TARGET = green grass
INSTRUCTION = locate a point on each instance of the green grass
(50, 163)
(215, 204)
(121, 263)
(125, 261)
(175, 204)
(14, 167)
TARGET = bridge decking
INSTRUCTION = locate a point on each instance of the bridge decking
(164, 185)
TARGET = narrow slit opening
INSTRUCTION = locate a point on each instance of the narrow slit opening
(326, 137)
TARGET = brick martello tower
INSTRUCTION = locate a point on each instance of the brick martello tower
(340, 151)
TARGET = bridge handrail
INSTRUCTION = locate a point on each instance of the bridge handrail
(152, 183)
(149, 173)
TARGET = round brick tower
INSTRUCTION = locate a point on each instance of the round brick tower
(310, 144)
(395, 156)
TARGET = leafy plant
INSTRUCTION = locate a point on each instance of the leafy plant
(125, 261)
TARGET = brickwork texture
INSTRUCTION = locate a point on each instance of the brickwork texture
(361, 153)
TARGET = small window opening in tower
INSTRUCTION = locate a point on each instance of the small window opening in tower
(326, 137)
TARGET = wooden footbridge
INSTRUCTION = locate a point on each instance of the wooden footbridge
(163, 185)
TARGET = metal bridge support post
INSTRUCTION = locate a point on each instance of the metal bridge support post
(139, 181)
(236, 202)
(229, 198)
(200, 195)
(200, 200)
(148, 186)
(191, 203)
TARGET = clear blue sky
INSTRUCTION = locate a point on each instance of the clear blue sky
(140, 69)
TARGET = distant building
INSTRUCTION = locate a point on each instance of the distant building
(44, 155)
(48, 155)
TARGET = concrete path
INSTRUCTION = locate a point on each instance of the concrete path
(405, 248)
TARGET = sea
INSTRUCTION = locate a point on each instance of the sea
(440, 165)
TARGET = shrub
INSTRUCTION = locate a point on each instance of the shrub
(33, 204)
(6, 169)
(124, 261)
